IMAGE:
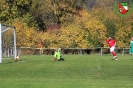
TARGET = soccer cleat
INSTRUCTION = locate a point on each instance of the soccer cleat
(116, 58)
(62, 59)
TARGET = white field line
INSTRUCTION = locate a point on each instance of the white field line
(98, 64)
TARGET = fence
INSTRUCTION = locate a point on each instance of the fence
(81, 51)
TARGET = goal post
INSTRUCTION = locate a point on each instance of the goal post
(4, 28)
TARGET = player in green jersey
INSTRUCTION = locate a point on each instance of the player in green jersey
(57, 55)
(131, 47)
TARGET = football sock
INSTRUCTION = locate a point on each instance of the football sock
(113, 53)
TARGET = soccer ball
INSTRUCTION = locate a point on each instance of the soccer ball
(17, 58)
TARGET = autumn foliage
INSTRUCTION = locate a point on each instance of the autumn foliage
(66, 23)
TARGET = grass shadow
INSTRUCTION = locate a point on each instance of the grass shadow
(112, 59)
(9, 61)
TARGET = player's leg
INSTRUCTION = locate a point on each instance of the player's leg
(62, 59)
(112, 50)
(58, 57)
(42, 51)
(131, 52)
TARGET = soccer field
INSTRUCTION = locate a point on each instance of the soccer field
(77, 71)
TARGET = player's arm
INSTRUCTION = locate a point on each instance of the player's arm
(59, 50)
(115, 44)
(105, 42)
(131, 44)
(55, 55)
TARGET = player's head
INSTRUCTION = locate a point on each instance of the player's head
(110, 38)
(56, 49)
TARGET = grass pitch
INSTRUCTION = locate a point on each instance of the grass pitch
(77, 71)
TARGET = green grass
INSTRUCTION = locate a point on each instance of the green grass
(77, 71)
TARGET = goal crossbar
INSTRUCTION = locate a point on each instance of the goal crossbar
(3, 28)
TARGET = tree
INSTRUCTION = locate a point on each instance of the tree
(124, 32)
(64, 10)
(42, 13)
(90, 3)
(13, 9)
(26, 36)
(96, 29)
(111, 27)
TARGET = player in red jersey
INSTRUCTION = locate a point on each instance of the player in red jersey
(40, 46)
(111, 42)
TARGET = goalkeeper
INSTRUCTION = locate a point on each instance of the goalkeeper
(57, 55)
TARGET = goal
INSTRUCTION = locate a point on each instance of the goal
(7, 42)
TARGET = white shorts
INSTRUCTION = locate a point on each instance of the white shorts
(112, 49)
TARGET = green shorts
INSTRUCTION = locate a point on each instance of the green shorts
(131, 50)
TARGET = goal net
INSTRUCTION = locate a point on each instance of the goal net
(7, 42)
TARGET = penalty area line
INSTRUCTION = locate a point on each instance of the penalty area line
(98, 64)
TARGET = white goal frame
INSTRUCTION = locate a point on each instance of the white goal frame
(3, 28)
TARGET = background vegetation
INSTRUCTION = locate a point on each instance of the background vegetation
(66, 23)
